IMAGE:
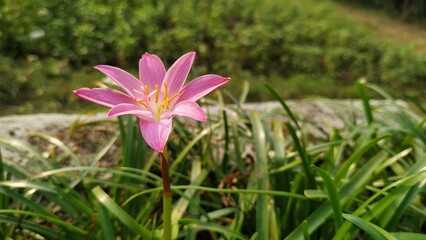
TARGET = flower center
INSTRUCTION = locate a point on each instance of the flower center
(158, 100)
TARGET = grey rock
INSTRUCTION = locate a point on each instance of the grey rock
(328, 113)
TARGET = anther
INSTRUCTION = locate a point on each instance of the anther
(156, 93)
(166, 91)
(173, 98)
(143, 103)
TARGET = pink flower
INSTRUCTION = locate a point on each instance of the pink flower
(156, 97)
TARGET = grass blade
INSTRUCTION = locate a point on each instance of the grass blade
(105, 222)
(402, 187)
(125, 218)
(333, 195)
(356, 157)
(33, 227)
(370, 228)
(189, 222)
(188, 147)
(304, 156)
(69, 228)
(284, 105)
(365, 101)
(281, 181)
(318, 217)
(409, 236)
(261, 173)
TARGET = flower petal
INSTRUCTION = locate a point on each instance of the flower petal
(189, 109)
(132, 109)
(103, 96)
(156, 133)
(151, 70)
(178, 72)
(125, 80)
(201, 86)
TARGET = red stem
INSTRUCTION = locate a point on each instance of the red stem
(167, 192)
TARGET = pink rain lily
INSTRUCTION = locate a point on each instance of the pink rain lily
(156, 97)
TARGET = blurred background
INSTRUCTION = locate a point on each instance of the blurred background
(302, 48)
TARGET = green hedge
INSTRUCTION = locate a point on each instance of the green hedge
(253, 38)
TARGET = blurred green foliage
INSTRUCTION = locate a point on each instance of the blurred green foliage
(275, 41)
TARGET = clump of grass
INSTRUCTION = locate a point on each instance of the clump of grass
(240, 176)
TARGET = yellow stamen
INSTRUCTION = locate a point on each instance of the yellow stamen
(146, 90)
(167, 102)
(166, 91)
(143, 103)
(162, 106)
(156, 93)
(173, 98)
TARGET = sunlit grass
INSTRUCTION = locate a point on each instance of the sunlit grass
(387, 27)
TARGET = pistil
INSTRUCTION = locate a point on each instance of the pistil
(157, 108)
(156, 93)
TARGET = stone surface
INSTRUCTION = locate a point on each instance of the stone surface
(326, 112)
(318, 119)
(18, 126)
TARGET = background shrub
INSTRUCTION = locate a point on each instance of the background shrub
(290, 39)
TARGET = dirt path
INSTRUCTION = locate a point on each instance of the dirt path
(386, 27)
